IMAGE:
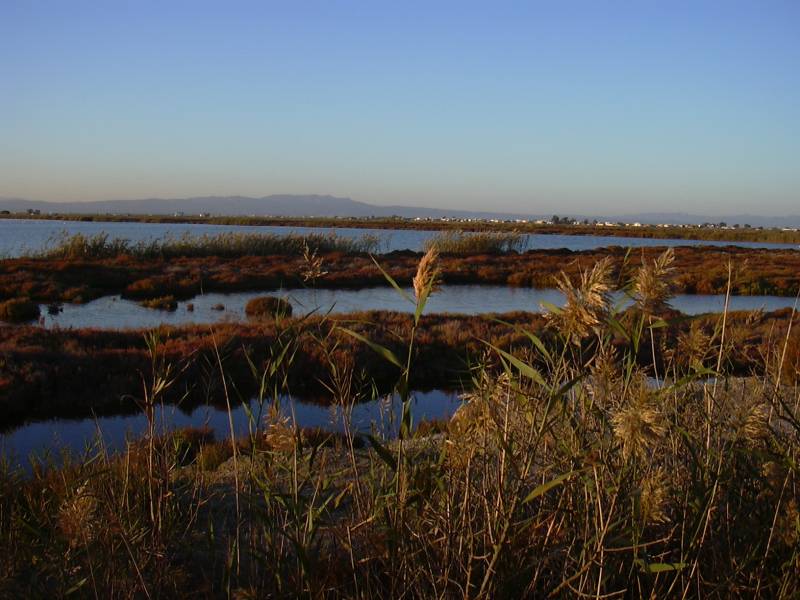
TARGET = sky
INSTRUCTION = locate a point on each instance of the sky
(537, 107)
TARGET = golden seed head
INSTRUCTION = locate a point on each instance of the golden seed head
(651, 288)
(426, 280)
(756, 426)
(586, 304)
(639, 427)
(653, 498)
(279, 434)
(312, 268)
(693, 345)
(76, 517)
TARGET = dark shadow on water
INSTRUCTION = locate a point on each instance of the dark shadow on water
(51, 438)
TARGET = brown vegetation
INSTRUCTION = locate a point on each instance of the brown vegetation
(46, 373)
(698, 270)
(161, 303)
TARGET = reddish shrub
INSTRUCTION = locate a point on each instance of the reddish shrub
(18, 310)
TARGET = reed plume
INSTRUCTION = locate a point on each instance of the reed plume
(651, 286)
(426, 281)
(312, 267)
(586, 305)
(639, 427)
(77, 517)
(653, 497)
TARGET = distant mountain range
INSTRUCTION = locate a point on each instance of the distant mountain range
(331, 206)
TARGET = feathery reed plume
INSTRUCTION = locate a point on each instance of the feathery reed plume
(426, 281)
(279, 434)
(653, 497)
(606, 380)
(692, 346)
(312, 267)
(639, 427)
(753, 422)
(651, 288)
(76, 517)
(586, 305)
(482, 412)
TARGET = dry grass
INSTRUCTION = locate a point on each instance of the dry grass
(460, 242)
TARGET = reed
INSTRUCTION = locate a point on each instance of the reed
(483, 242)
(229, 245)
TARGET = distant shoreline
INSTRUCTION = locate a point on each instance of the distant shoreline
(685, 232)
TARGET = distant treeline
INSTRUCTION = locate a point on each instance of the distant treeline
(715, 233)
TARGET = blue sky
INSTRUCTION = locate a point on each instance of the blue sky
(570, 107)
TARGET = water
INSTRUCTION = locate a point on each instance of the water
(112, 312)
(19, 236)
(51, 438)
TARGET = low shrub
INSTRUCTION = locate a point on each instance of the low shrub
(268, 307)
(190, 442)
(18, 310)
(211, 456)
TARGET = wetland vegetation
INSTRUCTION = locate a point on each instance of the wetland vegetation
(566, 471)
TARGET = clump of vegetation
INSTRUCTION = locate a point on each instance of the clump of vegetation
(268, 307)
(18, 310)
(79, 246)
(161, 303)
(483, 242)
(188, 443)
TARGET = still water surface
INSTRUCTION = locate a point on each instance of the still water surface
(112, 312)
(51, 438)
(22, 236)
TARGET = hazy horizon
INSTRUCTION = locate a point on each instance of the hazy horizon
(541, 108)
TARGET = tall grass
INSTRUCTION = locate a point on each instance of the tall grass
(485, 242)
(566, 473)
(77, 246)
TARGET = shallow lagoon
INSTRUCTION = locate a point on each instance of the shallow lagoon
(112, 312)
(20, 236)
